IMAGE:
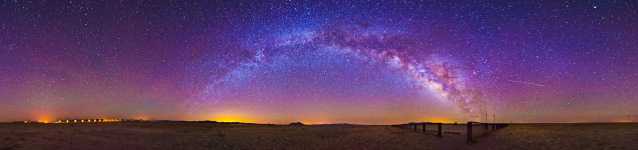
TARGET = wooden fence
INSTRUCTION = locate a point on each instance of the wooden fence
(473, 130)
(486, 128)
(424, 126)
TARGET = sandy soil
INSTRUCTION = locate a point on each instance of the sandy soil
(120, 136)
(562, 137)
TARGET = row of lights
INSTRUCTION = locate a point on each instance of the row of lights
(87, 121)
(76, 121)
(81, 121)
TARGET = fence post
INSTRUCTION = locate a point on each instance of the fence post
(440, 133)
(423, 127)
(469, 132)
(486, 126)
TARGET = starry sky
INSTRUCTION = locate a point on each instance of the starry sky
(323, 61)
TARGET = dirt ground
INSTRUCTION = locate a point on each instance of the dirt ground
(562, 137)
(190, 135)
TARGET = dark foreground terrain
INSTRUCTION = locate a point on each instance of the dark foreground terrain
(191, 135)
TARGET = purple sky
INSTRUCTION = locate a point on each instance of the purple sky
(322, 61)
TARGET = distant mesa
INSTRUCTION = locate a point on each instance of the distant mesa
(296, 124)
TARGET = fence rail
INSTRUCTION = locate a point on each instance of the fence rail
(424, 127)
(487, 128)
(473, 130)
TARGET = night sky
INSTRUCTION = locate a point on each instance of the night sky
(324, 61)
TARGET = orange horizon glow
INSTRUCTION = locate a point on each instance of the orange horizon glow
(232, 118)
(44, 118)
(439, 120)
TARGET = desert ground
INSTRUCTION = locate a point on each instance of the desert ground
(208, 135)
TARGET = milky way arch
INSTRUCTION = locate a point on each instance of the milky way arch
(431, 73)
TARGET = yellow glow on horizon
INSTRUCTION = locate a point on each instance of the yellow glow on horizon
(439, 120)
(232, 118)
